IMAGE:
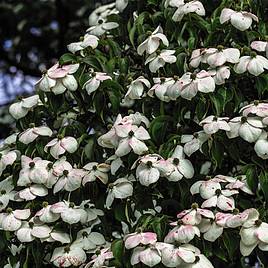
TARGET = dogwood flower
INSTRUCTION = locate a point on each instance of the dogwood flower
(190, 7)
(174, 256)
(220, 74)
(201, 261)
(30, 230)
(240, 20)
(6, 192)
(193, 143)
(150, 255)
(94, 82)
(69, 212)
(7, 158)
(101, 258)
(88, 240)
(57, 236)
(121, 188)
(68, 256)
(102, 27)
(20, 109)
(253, 233)
(181, 167)
(248, 128)
(256, 108)
(92, 212)
(32, 191)
(194, 215)
(132, 138)
(30, 134)
(158, 60)
(87, 41)
(59, 78)
(190, 83)
(151, 44)
(213, 124)
(139, 238)
(95, 171)
(254, 64)
(121, 4)
(161, 89)
(136, 88)
(181, 233)
(260, 46)
(12, 220)
(46, 215)
(148, 170)
(59, 146)
(238, 183)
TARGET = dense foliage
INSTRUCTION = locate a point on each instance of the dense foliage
(145, 145)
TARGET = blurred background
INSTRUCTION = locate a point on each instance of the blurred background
(33, 34)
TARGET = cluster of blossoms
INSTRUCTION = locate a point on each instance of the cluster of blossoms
(86, 174)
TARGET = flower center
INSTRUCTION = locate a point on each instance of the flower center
(95, 168)
(253, 54)
(97, 252)
(197, 259)
(67, 249)
(215, 118)
(131, 133)
(149, 164)
(65, 172)
(218, 192)
(49, 165)
(31, 125)
(44, 204)
(176, 161)
(100, 21)
(256, 102)
(220, 47)
(3, 192)
(111, 186)
(258, 222)
(9, 210)
(71, 205)
(85, 234)
(31, 225)
(31, 164)
(193, 76)
(243, 119)
(194, 206)
(60, 137)
(236, 211)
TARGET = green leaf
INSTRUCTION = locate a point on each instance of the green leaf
(263, 179)
(67, 58)
(118, 251)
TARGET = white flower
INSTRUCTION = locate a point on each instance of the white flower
(12, 220)
(174, 256)
(254, 64)
(30, 134)
(190, 7)
(136, 88)
(59, 78)
(190, 83)
(201, 261)
(150, 168)
(182, 233)
(69, 212)
(32, 191)
(213, 124)
(59, 146)
(161, 89)
(253, 233)
(6, 192)
(151, 44)
(96, 171)
(240, 20)
(20, 109)
(92, 212)
(101, 258)
(158, 60)
(181, 167)
(87, 41)
(121, 188)
(7, 158)
(46, 215)
(139, 238)
(248, 128)
(30, 230)
(238, 183)
(261, 147)
(102, 27)
(193, 142)
(57, 236)
(220, 74)
(121, 4)
(132, 138)
(94, 82)
(68, 256)
(149, 256)
(260, 46)
(256, 108)
(88, 240)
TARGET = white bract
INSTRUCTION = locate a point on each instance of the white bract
(32, 133)
(95, 171)
(151, 44)
(213, 124)
(87, 41)
(158, 60)
(102, 27)
(6, 192)
(241, 20)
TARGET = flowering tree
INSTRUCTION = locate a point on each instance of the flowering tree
(146, 145)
